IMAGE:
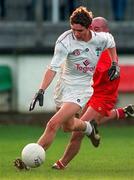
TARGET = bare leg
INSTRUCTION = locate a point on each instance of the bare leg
(72, 148)
(75, 142)
(91, 114)
(65, 113)
(111, 117)
(74, 145)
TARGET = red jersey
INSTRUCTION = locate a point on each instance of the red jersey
(102, 84)
(105, 91)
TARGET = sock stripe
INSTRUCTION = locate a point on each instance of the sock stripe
(60, 164)
(121, 113)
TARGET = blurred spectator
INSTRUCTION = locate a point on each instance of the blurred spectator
(47, 10)
(32, 6)
(71, 6)
(119, 7)
(66, 8)
(2, 9)
(46, 7)
(31, 10)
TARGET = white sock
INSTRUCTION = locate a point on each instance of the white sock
(88, 129)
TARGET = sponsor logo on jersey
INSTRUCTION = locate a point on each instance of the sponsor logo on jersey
(76, 52)
(86, 62)
(84, 69)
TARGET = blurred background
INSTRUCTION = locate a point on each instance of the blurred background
(28, 31)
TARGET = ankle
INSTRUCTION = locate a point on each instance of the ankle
(60, 164)
(88, 129)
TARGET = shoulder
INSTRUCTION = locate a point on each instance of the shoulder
(103, 37)
(102, 34)
(65, 36)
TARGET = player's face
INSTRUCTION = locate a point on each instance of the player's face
(97, 29)
(98, 26)
(80, 32)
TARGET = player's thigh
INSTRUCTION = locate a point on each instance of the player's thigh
(91, 114)
(65, 113)
(68, 123)
(66, 126)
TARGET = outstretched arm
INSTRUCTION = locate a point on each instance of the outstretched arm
(47, 79)
(39, 96)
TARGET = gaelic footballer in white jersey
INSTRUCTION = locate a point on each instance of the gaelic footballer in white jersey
(79, 60)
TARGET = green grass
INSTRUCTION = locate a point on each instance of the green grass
(113, 160)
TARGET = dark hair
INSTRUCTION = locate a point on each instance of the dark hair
(81, 16)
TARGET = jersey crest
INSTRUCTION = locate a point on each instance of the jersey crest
(98, 51)
(76, 52)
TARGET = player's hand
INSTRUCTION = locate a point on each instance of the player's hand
(114, 71)
(39, 96)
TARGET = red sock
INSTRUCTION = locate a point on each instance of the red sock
(120, 113)
(60, 164)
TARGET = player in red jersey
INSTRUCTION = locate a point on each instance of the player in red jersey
(105, 91)
(100, 106)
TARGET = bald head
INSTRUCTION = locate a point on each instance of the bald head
(100, 24)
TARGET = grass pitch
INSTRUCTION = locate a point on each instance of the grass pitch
(114, 159)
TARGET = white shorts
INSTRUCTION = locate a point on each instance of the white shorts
(68, 93)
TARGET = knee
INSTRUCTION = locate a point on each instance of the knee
(98, 120)
(65, 129)
(68, 128)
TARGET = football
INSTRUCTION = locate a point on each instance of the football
(33, 155)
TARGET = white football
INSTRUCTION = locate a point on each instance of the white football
(33, 155)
